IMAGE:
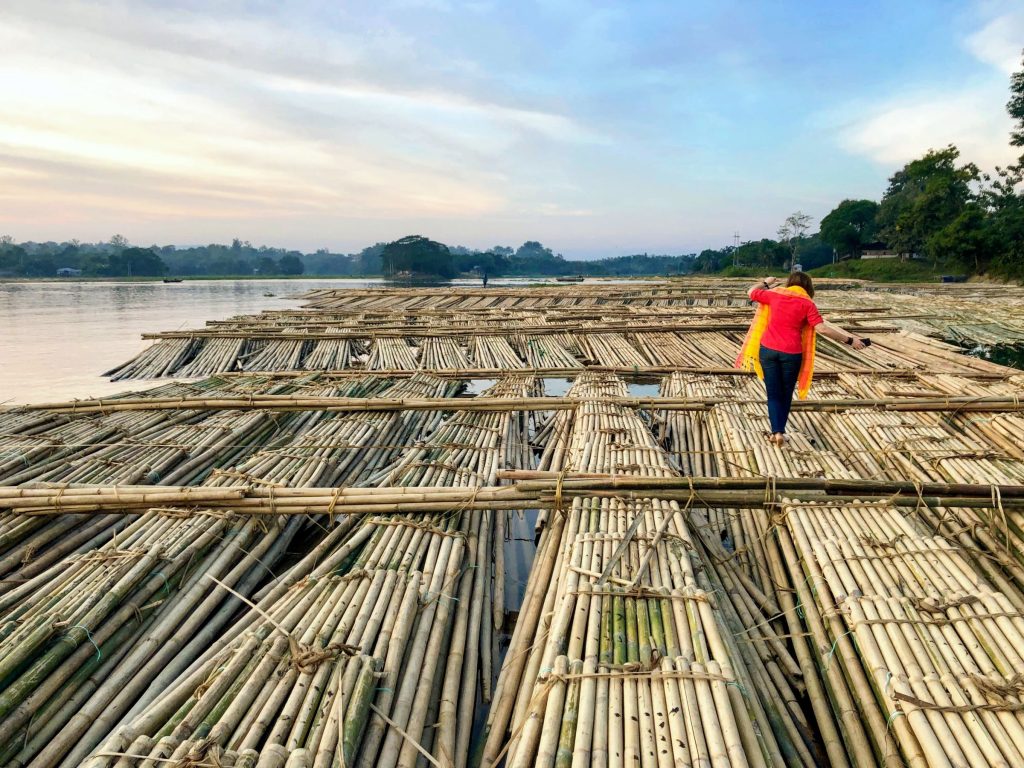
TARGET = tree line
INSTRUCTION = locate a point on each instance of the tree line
(412, 255)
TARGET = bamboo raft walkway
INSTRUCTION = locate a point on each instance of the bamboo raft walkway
(312, 556)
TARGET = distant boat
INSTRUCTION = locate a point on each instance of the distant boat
(172, 279)
(269, 295)
(577, 279)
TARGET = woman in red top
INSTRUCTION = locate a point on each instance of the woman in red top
(781, 353)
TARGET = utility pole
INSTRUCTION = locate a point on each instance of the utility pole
(735, 246)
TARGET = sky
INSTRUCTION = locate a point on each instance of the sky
(598, 128)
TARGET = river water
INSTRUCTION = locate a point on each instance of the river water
(57, 338)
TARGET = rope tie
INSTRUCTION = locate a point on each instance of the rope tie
(1003, 689)
(306, 658)
(895, 713)
(832, 650)
(997, 503)
(335, 495)
(88, 635)
(167, 586)
(558, 493)
(60, 492)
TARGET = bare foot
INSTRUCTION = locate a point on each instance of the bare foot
(779, 439)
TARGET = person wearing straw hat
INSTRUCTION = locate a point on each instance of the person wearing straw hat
(779, 346)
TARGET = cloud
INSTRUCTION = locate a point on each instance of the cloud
(191, 116)
(999, 42)
(907, 127)
(972, 116)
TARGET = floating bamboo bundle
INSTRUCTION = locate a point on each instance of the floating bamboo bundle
(437, 353)
(545, 352)
(391, 354)
(181, 443)
(284, 355)
(81, 639)
(493, 352)
(346, 661)
(347, 449)
(930, 649)
(329, 355)
(620, 650)
(609, 349)
(985, 334)
(214, 356)
(162, 358)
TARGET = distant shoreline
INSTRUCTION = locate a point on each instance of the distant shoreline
(382, 278)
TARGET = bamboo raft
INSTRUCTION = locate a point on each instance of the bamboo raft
(319, 553)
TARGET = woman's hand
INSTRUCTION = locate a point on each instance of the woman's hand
(771, 282)
(836, 333)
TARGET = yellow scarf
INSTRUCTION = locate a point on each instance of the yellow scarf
(748, 358)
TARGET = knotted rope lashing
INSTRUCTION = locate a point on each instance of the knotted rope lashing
(558, 493)
(997, 504)
(335, 496)
(307, 658)
(1003, 689)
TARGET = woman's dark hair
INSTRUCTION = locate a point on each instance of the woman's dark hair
(803, 280)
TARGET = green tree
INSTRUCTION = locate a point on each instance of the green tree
(850, 226)
(290, 264)
(966, 240)
(266, 266)
(924, 197)
(368, 260)
(418, 255)
(1016, 106)
(136, 262)
(765, 253)
(532, 249)
(812, 252)
(12, 259)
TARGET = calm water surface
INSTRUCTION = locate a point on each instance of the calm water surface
(57, 338)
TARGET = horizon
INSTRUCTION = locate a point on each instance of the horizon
(514, 246)
(598, 131)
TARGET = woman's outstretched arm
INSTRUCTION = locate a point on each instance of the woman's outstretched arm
(836, 333)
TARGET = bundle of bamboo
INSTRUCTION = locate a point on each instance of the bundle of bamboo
(373, 635)
(391, 353)
(493, 352)
(213, 356)
(545, 352)
(621, 652)
(161, 358)
(83, 637)
(342, 449)
(438, 353)
(926, 649)
(329, 355)
(284, 355)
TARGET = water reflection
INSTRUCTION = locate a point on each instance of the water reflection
(57, 338)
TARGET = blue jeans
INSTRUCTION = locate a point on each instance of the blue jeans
(781, 370)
